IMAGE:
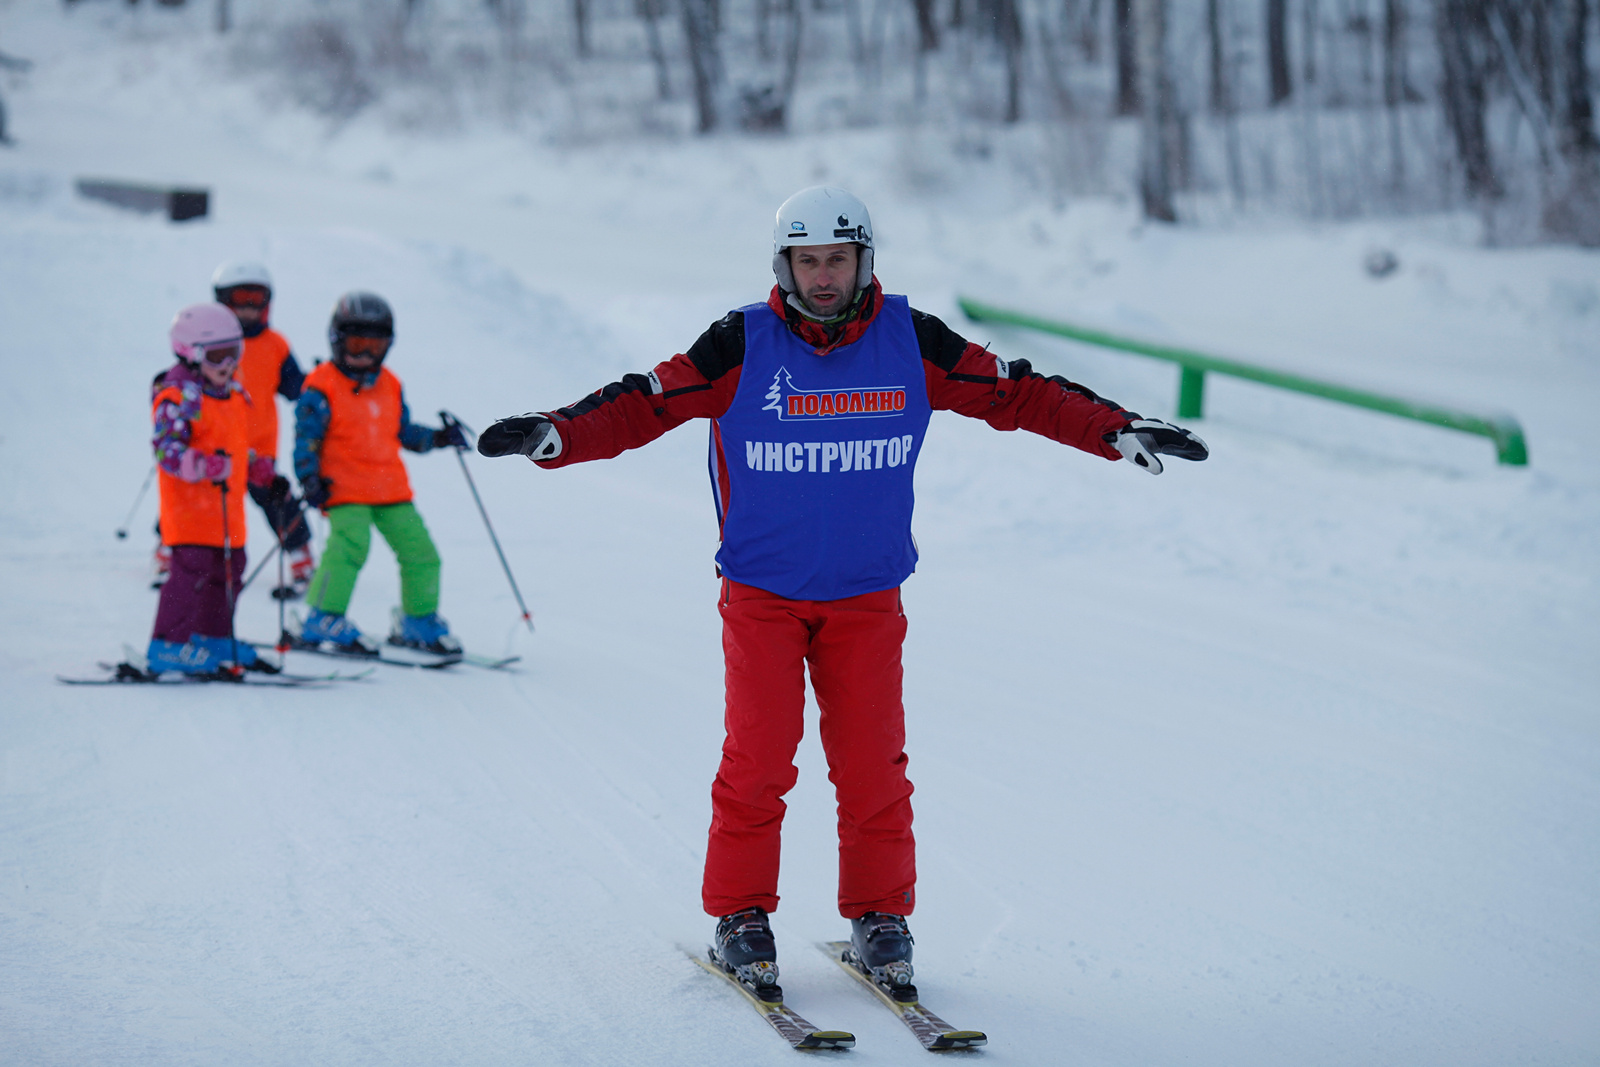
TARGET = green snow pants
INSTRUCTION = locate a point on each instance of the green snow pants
(349, 540)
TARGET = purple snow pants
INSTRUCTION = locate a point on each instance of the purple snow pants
(194, 599)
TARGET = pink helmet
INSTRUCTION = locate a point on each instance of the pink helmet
(202, 326)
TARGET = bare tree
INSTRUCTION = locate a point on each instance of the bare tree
(700, 22)
(1127, 59)
(1157, 155)
(580, 26)
(1008, 29)
(1397, 88)
(651, 11)
(1279, 81)
(927, 26)
(1218, 95)
(1461, 27)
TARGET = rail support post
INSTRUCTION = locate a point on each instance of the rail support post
(1191, 393)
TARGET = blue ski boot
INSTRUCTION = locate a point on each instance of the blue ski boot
(429, 633)
(745, 949)
(335, 633)
(193, 656)
(226, 648)
(881, 944)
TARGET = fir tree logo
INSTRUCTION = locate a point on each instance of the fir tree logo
(775, 394)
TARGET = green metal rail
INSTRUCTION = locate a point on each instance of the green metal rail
(1510, 445)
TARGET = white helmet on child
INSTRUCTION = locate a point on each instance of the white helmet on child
(821, 215)
(235, 273)
(200, 328)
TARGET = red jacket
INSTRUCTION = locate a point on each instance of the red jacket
(961, 377)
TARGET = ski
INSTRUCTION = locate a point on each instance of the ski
(125, 673)
(431, 663)
(791, 1026)
(935, 1034)
(425, 660)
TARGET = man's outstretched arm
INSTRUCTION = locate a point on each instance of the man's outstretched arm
(697, 384)
(1010, 395)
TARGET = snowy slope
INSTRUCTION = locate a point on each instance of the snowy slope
(1291, 757)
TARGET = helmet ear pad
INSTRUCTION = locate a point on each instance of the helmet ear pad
(785, 273)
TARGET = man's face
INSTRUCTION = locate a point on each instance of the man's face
(825, 276)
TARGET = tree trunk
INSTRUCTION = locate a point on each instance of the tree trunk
(1127, 59)
(1572, 204)
(1219, 97)
(927, 26)
(1279, 81)
(705, 60)
(1462, 31)
(580, 25)
(1396, 85)
(651, 11)
(1157, 147)
(1008, 27)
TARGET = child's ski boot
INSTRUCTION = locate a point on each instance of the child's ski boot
(429, 633)
(194, 656)
(335, 633)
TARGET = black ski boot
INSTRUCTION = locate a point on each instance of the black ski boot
(745, 949)
(881, 944)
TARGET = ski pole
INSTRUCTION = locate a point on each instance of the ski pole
(298, 519)
(227, 567)
(450, 420)
(122, 531)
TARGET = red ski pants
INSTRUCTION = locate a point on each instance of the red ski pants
(852, 648)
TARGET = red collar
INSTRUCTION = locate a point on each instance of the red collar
(824, 339)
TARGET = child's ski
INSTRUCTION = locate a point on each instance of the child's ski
(125, 673)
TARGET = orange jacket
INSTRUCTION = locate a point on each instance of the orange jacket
(191, 512)
(360, 453)
(259, 370)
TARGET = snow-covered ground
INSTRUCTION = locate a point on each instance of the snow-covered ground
(1291, 757)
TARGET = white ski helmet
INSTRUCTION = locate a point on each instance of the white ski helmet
(201, 327)
(240, 272)
(821, 215)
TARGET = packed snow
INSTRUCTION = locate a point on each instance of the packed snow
(1289, 757)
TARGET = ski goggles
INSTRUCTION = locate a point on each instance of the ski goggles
(366, 346)
(221, 354)
(247, 296)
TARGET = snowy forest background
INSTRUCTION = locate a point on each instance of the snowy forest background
(1203, 108)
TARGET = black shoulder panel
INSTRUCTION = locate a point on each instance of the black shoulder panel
(940, 345)
(721, 348)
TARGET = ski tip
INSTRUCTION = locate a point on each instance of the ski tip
(957, 1039)
(821, 1039)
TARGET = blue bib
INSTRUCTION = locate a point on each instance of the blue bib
(819, 454)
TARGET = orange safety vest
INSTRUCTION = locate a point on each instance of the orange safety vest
(191, 512)
(258, 373)
(361, 453)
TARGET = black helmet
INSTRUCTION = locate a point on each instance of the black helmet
(359, 314)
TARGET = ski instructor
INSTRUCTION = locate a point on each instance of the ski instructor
(819, 399)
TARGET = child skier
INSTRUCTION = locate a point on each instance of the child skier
(201, 439)
(350, 424)
(816, 540)
(268, 366)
